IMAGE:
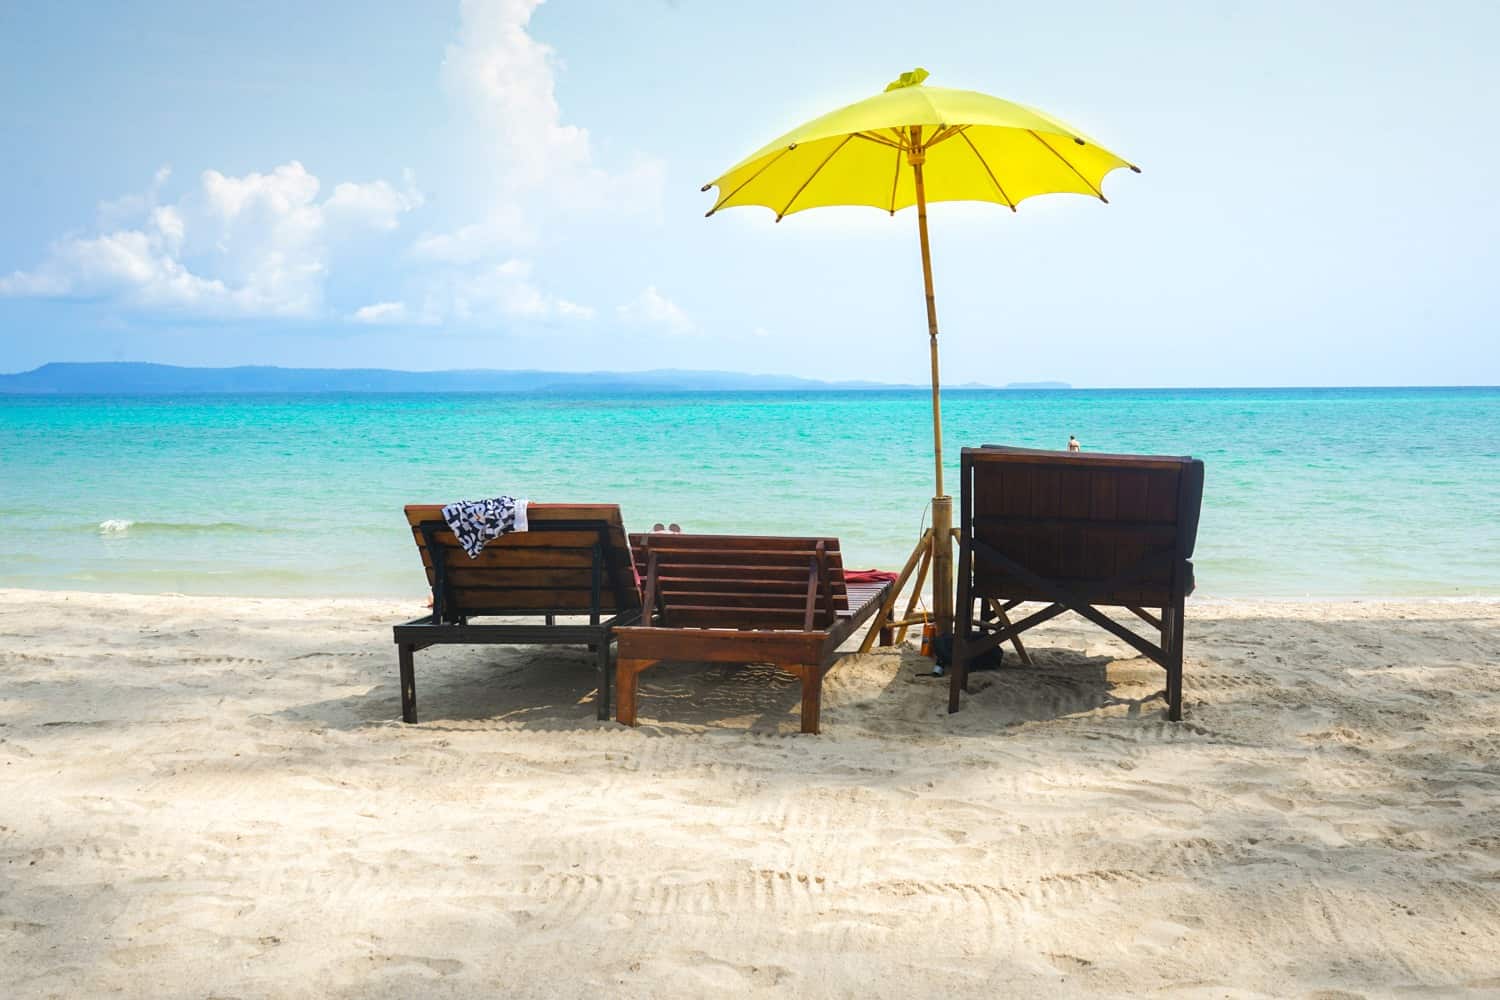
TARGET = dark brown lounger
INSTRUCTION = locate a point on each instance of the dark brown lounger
(742, 599)
(574, 561)
(1077, 532)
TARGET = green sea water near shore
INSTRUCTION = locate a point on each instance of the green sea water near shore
(1310, 492)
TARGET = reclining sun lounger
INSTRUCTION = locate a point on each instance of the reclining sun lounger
(742, 599)
(574, 561)
(1077, 532)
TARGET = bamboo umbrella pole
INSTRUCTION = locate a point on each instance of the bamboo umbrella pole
(942, 504)
(917, 157)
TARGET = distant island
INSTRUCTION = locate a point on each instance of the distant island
(138, 378)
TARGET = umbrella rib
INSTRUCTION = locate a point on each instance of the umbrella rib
(946, 133)
(798, 193)
(1069, 165)
(983, 163)
(872, 137)
(720, 203)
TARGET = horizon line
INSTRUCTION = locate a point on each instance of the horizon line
(842, 385)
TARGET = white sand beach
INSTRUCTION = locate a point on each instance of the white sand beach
(214, 797)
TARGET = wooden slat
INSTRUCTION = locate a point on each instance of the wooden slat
(720, 645)
(1046, 495)
(861, 594)
(1161, 496)
(1131, 495)
(1103, 510)
(465, 598)
(1139, 531)
(1075, 493)
(1002, 455)
(506, 558)
(725, 598)
(748, 618)
(520, 578)
(794, 575)
(521, 539)
(721, 580)
(776, 592)
(735, 557)
(701, 564)
(757, 542)
(1016, 490)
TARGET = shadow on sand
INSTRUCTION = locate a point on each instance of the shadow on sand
(555, 688)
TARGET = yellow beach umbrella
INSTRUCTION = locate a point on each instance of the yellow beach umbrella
(911, 145)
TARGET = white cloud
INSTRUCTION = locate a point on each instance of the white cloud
(572, 310)
(474, 242)
(652, 308)
(503, 81)
(477, 295)
(543, 172)
(376, 205)
(506, 289)
(264, 244)
(256, 245)
(382, 312)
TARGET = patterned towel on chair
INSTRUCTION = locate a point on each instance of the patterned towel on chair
(475, 522)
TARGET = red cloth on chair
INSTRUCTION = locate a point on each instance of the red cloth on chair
(868, 576)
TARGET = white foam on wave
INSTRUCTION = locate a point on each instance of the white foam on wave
(114, 525)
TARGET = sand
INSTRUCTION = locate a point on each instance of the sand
(212, 797)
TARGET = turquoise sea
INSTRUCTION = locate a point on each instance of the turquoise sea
(1310, 492)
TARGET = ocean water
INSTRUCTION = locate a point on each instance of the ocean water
(1310, 492)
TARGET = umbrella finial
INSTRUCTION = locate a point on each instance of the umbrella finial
(912, 79)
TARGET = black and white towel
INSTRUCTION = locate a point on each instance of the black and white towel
(475, 522)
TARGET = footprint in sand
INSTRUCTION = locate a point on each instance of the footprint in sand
(1161, 935)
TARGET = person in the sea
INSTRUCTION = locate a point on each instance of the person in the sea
(1073, 444)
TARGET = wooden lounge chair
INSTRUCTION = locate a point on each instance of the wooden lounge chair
(1078, 532)
(573, 561)
(742, 599)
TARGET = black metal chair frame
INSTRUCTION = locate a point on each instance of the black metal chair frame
(443, 628)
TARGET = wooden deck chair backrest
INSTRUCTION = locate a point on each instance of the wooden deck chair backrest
(1082, 520)
(553, 568)
(741, 581)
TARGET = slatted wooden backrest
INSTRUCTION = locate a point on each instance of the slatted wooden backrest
(548, 569)
(1081, 519)
(741, 581)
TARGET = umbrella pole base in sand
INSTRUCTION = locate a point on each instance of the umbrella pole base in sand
(933, 554)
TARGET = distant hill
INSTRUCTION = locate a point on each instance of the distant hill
(150, 379)
(1037, 385)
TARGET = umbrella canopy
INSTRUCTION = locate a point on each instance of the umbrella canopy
(977, 147)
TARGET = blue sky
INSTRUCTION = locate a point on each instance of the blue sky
(501, 184)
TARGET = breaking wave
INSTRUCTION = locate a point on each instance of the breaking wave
(121, 526)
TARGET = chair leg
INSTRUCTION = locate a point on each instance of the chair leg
(1179, 642)
(1015, 641)
(887, 635)
(408, 683)
(626, 673)
(603, 653)
(1172, 635)
(812, 696)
